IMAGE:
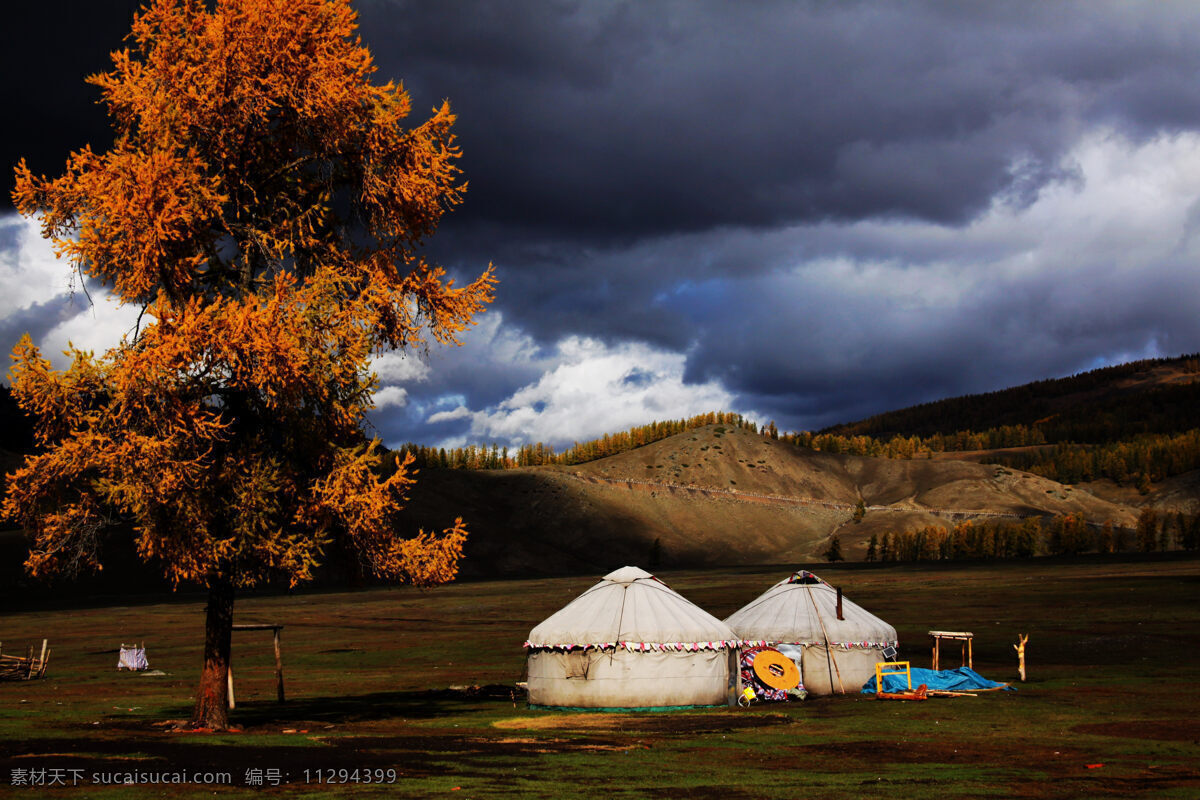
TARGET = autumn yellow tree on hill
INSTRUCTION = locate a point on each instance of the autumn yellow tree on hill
(265, 206)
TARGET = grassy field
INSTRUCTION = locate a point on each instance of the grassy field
(376, 682)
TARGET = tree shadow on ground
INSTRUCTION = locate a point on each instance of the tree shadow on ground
(345, 709)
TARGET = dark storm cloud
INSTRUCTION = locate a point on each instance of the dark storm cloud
(612, 120)
(37, 320)
(47, 50)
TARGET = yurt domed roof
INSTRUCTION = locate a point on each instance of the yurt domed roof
(630, 607)
(794, 610)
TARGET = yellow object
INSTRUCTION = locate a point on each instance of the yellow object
(776, 670)
(892, 668)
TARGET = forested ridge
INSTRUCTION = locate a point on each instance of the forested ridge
(1060, 535)
(540, 454)
(1089, 407)
(1139, 460)
(1074, 429)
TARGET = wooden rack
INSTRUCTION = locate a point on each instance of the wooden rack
(962, 637)
(278, 659)
(26, 667)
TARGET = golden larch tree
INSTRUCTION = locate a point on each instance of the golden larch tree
(265, 206)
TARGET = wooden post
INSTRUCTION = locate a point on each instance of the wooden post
(229, 683)
(1020, 648)
(837, 671)
(278, 657)
(828, 646)
(936, 645)
(735, 676)
(970, 655)
(278, 669)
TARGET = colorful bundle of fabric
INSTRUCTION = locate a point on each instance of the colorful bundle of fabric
(750, 679)
(132, 657)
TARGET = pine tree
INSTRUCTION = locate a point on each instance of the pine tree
(834, 551)
(1191, 539)
(265, 207)
(1147, 530)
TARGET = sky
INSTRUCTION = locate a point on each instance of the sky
(806, 212)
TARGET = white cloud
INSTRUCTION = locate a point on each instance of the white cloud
(391, 396)
(594, 389)
(97, 327)
(397, 367)
(1126, 226)
(29, 271)
(44, 297)
(461, 412)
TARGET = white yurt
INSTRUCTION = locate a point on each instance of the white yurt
(800, 616)
(630, 642)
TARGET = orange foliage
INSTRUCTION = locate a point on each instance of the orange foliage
(264, 205)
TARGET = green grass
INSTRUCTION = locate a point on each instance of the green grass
(1113, 682)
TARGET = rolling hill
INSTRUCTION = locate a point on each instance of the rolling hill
(721, 495)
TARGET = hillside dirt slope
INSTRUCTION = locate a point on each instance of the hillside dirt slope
(1179, 493)
(719, 495)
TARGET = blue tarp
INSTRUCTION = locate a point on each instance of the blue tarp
(963, 679)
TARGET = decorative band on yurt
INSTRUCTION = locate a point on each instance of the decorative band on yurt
(640, 647)
(814, 642)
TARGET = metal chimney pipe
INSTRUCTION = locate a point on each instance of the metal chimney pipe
(839, 603)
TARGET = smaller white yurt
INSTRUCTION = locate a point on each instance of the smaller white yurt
(801, 613)
(630, 642)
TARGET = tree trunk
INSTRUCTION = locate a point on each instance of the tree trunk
(212, 700)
